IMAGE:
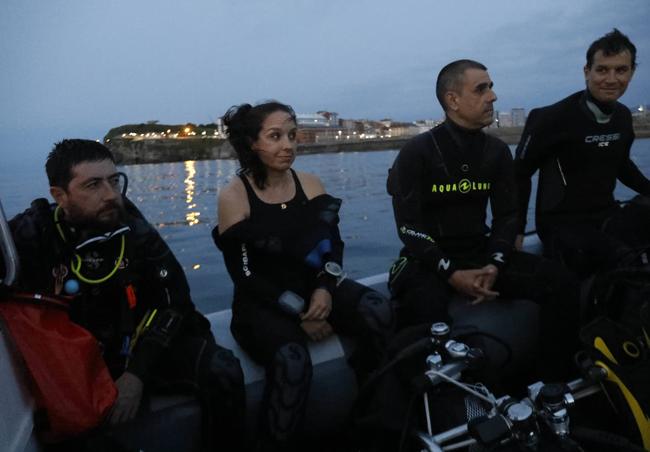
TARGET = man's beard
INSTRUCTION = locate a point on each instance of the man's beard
(107, 219)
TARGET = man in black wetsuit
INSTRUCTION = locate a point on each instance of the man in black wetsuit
(127, 288)
(581, 147)
(441, 182)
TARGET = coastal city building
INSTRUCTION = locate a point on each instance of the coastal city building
(425, 124)
(399, 129)
(318, 119)
(502, 119)
(518, 116)
(324, 127)
(641, 111)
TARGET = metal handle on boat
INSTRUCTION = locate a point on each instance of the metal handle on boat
(9, 254)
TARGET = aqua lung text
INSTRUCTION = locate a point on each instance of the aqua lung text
(464, 186)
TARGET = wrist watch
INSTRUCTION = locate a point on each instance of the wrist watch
(333, 269)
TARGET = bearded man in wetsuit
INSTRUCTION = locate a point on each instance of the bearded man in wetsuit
(127, 289)
(581, 147)
(441, 182)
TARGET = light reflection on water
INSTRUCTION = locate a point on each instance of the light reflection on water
(192, 217)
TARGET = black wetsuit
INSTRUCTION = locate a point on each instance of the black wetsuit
(177, 350)
(441, 182)
(282, 247)
(581, 148)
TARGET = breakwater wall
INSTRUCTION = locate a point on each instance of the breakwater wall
(352, 146)
(129, 151)
(510, 135)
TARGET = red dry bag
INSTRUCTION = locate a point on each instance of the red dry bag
(70, 381)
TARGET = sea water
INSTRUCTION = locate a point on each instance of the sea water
(180, 199)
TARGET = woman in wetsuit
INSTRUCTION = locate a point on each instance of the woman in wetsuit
(278, 231)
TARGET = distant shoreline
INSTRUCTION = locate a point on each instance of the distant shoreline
(161, 150)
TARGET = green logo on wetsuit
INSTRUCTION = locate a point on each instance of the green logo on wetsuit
(464, 186)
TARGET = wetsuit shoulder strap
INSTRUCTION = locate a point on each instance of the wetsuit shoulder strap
(252, 196)
(300, 193)
(247, 184)
(437, 150)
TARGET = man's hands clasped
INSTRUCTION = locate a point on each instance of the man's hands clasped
(476, 283)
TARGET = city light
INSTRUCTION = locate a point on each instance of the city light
(319, 131)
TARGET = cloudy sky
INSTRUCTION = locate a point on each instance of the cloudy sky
(80, 67)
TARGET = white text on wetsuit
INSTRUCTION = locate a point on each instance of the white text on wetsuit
(244, 260)
(418, 235)
(602, 140)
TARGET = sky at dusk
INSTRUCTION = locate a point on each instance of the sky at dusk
(80, 67)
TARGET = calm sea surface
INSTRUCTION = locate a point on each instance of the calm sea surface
(180, 199)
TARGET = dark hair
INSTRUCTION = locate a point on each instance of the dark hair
(68, 153)
(243, 125)
(451, 77)
(612, 43)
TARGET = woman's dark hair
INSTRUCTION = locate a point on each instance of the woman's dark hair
(243, 125)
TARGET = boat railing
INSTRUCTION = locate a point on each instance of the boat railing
(9, 254)
(16, 402)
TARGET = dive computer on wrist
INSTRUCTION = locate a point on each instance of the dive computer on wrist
(333, 269)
